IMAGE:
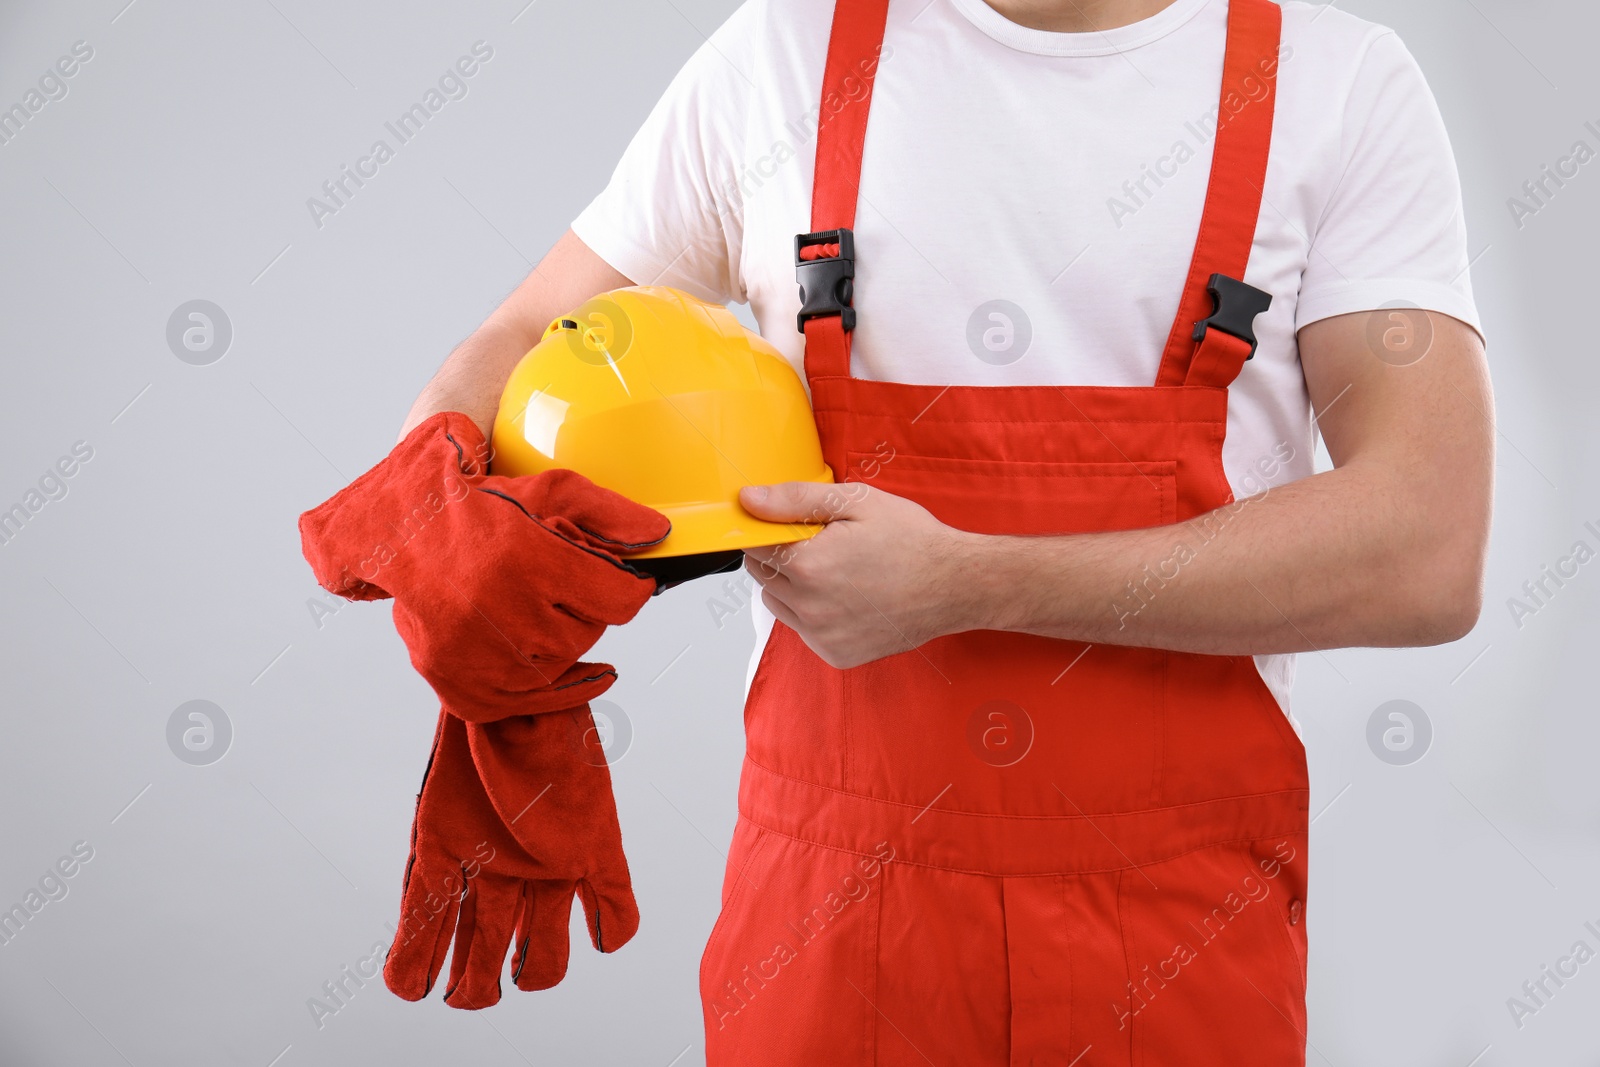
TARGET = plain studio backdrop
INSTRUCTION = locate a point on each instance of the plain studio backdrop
(211, 898)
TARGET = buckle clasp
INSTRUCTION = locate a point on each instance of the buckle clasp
(826, 281)
(1234, 307)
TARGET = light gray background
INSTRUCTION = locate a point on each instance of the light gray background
(221, 897)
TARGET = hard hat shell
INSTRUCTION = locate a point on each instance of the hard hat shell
(670, 401)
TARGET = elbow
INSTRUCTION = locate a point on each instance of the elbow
(1439, 578)
(1449, 602)
(1452, 617)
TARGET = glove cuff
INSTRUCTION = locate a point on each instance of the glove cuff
(350, 537)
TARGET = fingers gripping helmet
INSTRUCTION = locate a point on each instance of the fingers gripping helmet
(671, 402)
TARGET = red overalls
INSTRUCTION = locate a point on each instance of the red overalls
(1001, 848)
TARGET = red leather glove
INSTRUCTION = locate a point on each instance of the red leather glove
(515, 817)
(490, 575)
(499, 585)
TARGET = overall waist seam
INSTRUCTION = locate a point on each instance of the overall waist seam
(1086, 818)
(1065, 871)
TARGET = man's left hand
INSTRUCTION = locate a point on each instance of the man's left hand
(880, 578)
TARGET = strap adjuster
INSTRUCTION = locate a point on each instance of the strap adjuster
(826, 282)
(1234, 307)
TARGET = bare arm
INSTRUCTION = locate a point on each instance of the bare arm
(473, 376)
(1387, 549)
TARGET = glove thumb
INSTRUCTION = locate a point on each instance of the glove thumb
(610, 911)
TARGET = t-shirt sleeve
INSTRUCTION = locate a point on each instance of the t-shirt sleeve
(1393, 232)
(672, 212)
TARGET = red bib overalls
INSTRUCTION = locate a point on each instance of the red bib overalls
(1002, 849)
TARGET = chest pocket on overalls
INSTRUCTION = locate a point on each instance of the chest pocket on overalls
(1026, 496)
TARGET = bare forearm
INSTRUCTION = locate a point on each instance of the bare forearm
(1334, 560)
(473, 377)
(1385, 550)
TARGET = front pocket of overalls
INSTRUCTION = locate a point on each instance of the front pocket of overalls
(790, 971)
(1083, 725)
(742, 855)
(1210, 966)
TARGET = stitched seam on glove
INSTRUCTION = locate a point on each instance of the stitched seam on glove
(461, 458)
(580, 681)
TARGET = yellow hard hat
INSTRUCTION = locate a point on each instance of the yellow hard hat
(669, 401)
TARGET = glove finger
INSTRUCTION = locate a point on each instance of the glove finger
(604, 519)
(430, 904)
(598, 589)
(610, 908)
(607, 889)
(493, 680)
(605, 588)
(488, 918)
(576, 686)
(539, 959)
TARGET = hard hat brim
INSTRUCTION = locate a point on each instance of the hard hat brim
(723, 527)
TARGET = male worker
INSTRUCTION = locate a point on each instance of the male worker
(1021, 786)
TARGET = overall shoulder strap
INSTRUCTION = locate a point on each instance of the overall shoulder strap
(1212, 334)
(824, 258)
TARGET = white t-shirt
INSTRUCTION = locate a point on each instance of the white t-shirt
(1029, 200)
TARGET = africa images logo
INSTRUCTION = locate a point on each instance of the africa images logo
(452, 85)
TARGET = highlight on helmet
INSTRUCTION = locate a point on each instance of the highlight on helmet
(670, 401)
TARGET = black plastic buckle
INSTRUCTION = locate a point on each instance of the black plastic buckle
(826, 285)
(1234, 307)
